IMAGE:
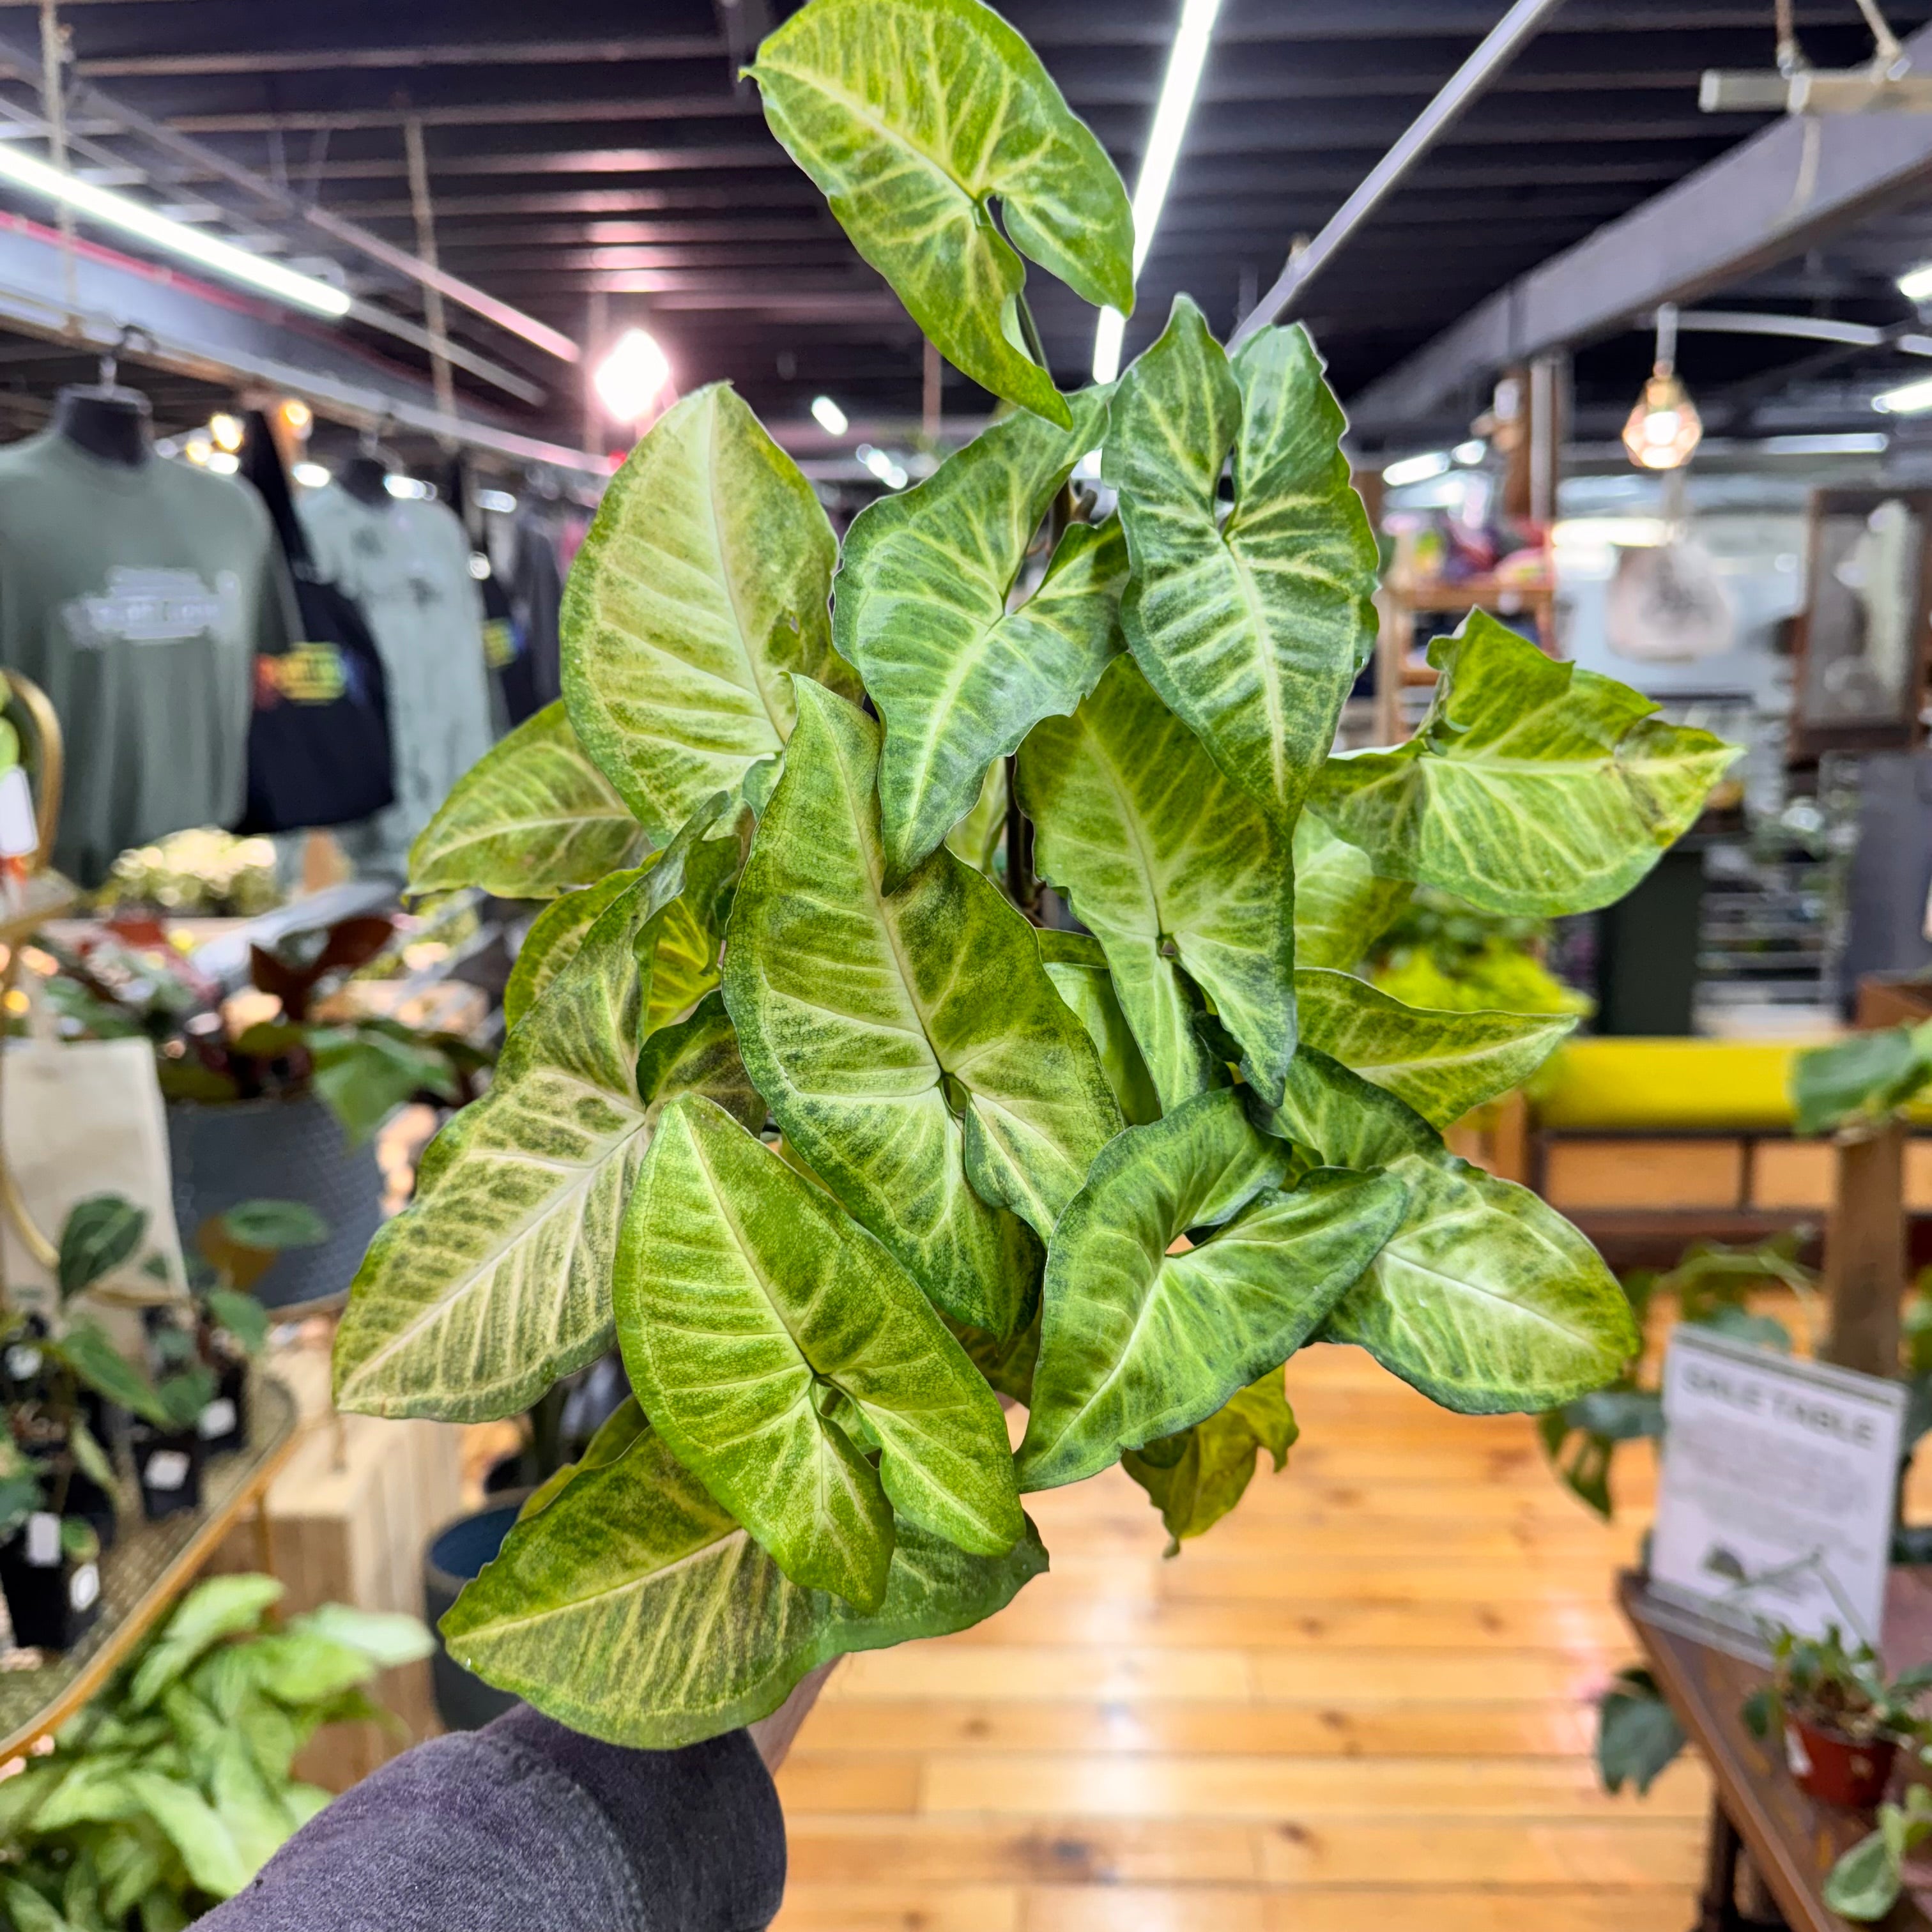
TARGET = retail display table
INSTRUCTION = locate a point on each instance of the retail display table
(1793, 1840)
(150, 1565)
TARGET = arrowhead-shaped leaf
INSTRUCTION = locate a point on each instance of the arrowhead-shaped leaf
(495, 1281)
(910, 1045)
(1078, 968)
(532, 817)
(742, 1293)
(699, 1055)
(1440, 1063)
(920, 605)
(703, 585)
(590, 1610)
(1341, 908)
(913, 116)
(1485, 1298)
(1251, 630)
(1534, 786)
(554, 936)
(1137, 1343)
(1171, 866)
(1194, 1479)
(978, 837)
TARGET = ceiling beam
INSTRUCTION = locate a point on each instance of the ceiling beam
(484, 53)
(1783, 190)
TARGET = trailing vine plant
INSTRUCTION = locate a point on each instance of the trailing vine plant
(797, 1103)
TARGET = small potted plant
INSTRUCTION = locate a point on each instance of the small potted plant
(1843, 1718)
(50, 1560)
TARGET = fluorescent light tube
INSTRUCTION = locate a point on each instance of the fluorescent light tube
(1415, 469)
(1916, 284)
(116, 211)
(1909, 400)
(1183, 81)
(828, 416)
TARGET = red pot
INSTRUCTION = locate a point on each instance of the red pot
(1837, 1770)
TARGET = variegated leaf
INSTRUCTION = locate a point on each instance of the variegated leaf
(1534, 786)
(1341, 908)
(1251, 630)
(702, 586)
(910, 1044)
(913, 116)
(1194, 1479)
(1173, 868)
(1078, 970)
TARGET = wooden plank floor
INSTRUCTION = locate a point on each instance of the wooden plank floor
(1363, 1699)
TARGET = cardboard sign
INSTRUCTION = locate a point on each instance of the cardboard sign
(1775, 1502)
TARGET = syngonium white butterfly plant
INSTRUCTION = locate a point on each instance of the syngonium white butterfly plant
(801, 1106)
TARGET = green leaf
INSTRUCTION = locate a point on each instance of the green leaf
(195, 1830)
(699, 1055)
(1173, 868)
(1533, 787)
(496, 1280)
(219, 1607)
(1136, 1343)
(90, 1458)
(1252, 630)
(95, 1791)
(1440, 1063)
(184, 1395)
(978, 837)
(589, 1611)
(554, 936)
(1865, 1882)
(742, 1291)
(1341, 908)
(27, 1911)
(385, 1638)
(913, 116)
(363, 1075)
(1485, 1298)
(910, 1046)
(1195, 1489)
(101, 1234)
(255, 1818)
(532, 817)
(239, 1314)
(702, 585)
(1638, 1737)
(1078, 970)
(1861, 1081)
(920, 606)
(86, 1350)
(273, 1225)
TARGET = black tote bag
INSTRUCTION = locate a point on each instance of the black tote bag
(319, 741)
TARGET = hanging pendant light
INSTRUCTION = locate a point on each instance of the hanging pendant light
(1664, 428)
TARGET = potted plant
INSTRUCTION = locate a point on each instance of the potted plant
(272, 1094)
(49, 1553)
(1843, 1719)
(169, 1790)
(805, 1113)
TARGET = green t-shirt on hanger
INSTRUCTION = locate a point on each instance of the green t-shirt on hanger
(137, 599)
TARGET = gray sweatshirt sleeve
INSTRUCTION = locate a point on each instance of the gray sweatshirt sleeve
(525, 1825)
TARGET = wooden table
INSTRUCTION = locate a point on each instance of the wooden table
(1793, 1840)
(148, 1568)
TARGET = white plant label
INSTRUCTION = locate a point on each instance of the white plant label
(43, 1540)
(23, 1362)
(1774, 1505)
(84, 1585)
(167, 1469)
(217, 1419)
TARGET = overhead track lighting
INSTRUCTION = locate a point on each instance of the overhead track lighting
(1415, 469)
(828, 416)
(132, 218)
(1886, 85)
(1183, 81)
(1664, 428)
(629, 379)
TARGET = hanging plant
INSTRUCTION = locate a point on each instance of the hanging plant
(804, 1111)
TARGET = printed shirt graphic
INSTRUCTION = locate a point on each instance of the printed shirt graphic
(137, 599)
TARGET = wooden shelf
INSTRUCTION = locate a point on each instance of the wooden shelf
(150, 1565)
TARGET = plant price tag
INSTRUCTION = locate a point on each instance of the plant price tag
(84, 1585)
(167, 1469)
(1774, 1503)
(217, 1419)
(43, 1540)
(23, 1361)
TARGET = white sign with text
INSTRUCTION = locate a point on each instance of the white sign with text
(1775, 1502)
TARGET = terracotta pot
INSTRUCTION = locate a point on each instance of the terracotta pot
(1837, 1770)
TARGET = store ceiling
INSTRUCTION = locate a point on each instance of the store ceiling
(606, 154)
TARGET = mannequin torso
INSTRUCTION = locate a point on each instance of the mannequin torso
(111, 424)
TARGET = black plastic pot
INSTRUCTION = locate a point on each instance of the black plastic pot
(456, 1553)
(53, 1605)
(286, 1149)
(87, 1500)
(170, 1464)
(224, 1422)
